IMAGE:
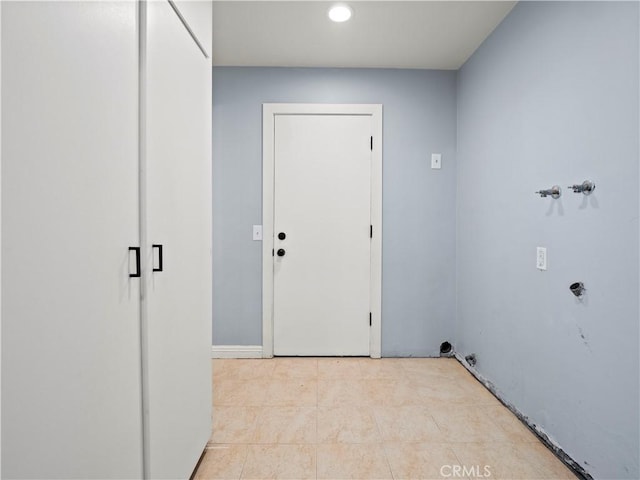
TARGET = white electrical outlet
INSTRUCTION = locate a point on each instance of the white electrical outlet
(436, 160)
(541, 258)
(257, 232)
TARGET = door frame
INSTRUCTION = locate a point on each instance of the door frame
(269, 112)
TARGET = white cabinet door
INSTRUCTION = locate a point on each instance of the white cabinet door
(177, 216)
(197, 14)
(71, 401)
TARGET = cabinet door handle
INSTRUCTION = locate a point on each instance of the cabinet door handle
(159, 269)
(136, 250)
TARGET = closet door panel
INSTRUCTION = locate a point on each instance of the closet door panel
(198, 15)
(178, 217)
(71, 400)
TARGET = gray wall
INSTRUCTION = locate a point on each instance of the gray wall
(418, 283)
(551, 97)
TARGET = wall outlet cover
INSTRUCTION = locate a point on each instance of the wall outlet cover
(541, 258)
(257, 232)
(436, 160)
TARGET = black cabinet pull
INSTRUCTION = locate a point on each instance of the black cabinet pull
(159, 247)
(135, 274)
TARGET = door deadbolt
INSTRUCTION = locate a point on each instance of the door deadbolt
(282, 235)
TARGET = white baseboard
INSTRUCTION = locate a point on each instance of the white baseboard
(236, 351)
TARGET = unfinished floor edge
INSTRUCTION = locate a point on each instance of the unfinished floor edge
(563, 456)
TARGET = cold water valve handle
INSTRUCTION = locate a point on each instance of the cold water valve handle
(553, 192)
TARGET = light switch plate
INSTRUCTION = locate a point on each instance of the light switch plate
(436, 160)
(541, 258)
(257, 232)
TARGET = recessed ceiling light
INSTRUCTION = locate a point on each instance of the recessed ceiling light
(340, 13)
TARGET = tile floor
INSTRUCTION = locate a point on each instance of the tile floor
(359, 418)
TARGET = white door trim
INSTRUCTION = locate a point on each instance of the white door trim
(269, 111)
(0, 240)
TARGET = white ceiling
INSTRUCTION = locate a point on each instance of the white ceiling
(384, 34)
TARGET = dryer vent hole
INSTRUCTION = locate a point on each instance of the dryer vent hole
(445, 349)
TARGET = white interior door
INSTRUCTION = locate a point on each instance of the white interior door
(322, 205)
(177, 216)
(71, 402)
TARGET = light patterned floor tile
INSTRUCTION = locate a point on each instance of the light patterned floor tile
(477, 392)
(293, 425)
(380, 369)
(293, 368)
(290, 462)
(420, 460)
(396, 393)
(292, 393)
(427, 379)
(510, 461)
(413, 424)
(363, 462)
(342, 418)
(447, 367)
(245, 393)
(540, 456)
(462, 423)
(342, 392)
(509, 424)
(242, 369)
(347, 425)
(234, 424)
(339, 368)
(449, 393)
(222, 462)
